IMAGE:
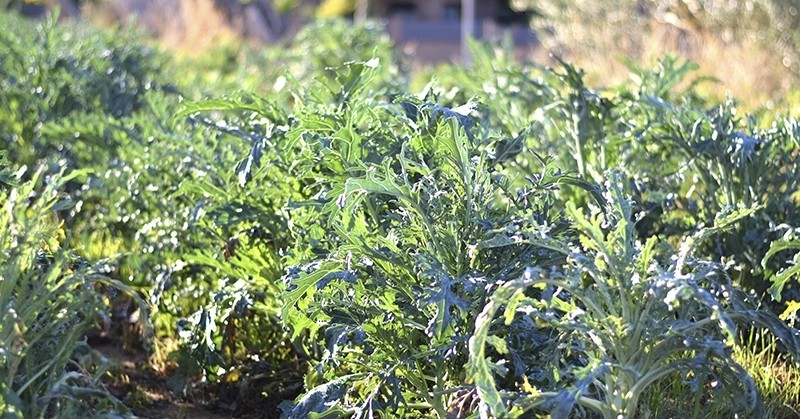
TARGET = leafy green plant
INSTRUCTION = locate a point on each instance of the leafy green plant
(329, 239)
(268, 207)
(511, 94)
(782, 277)
(686, 164)
(728, 166)
(363, 172)
(264, 208)
(421, 235)
(621, 320)
(53, 79)
(50, 300)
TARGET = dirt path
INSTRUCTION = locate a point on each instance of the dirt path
(144, 390)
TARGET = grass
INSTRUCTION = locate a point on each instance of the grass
(776, 375)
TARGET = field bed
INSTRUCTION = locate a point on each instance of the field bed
(299, 232)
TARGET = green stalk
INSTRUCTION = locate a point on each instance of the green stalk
(636, 336)
(726, 184)
(585, 401)
(577, 138)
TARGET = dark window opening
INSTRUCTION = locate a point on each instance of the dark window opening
(506, 15)
(452, 12)
(402, 10)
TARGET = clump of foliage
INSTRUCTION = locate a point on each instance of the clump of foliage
(507, 242)
(50, 298)
(447, 186)
(85, 99)
(410, 215)
(422, 235)
(620, 321)
(686, 161)
(104, 104)
(54, 80)
(265, 208)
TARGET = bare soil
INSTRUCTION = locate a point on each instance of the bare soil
(145, 390)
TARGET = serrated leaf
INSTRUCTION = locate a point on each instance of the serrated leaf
(777, 246)
(459, 115)
(511, 308)
(498, 343)
(445, 300)
(593, 189)
(244, 170)
(259, 106)
(506, 150)
(479, 367)
(304, 288)
(779, 281)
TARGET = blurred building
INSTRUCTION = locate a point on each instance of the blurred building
(431, 29)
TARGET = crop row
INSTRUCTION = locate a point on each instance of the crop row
(504, 241)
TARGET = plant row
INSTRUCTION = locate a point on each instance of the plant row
(504, 241)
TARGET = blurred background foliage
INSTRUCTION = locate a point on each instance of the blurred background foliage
(750, 46)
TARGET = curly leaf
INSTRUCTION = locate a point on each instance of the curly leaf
(778, 246)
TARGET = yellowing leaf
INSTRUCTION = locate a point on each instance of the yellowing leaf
(791, 310)
(528, 388)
